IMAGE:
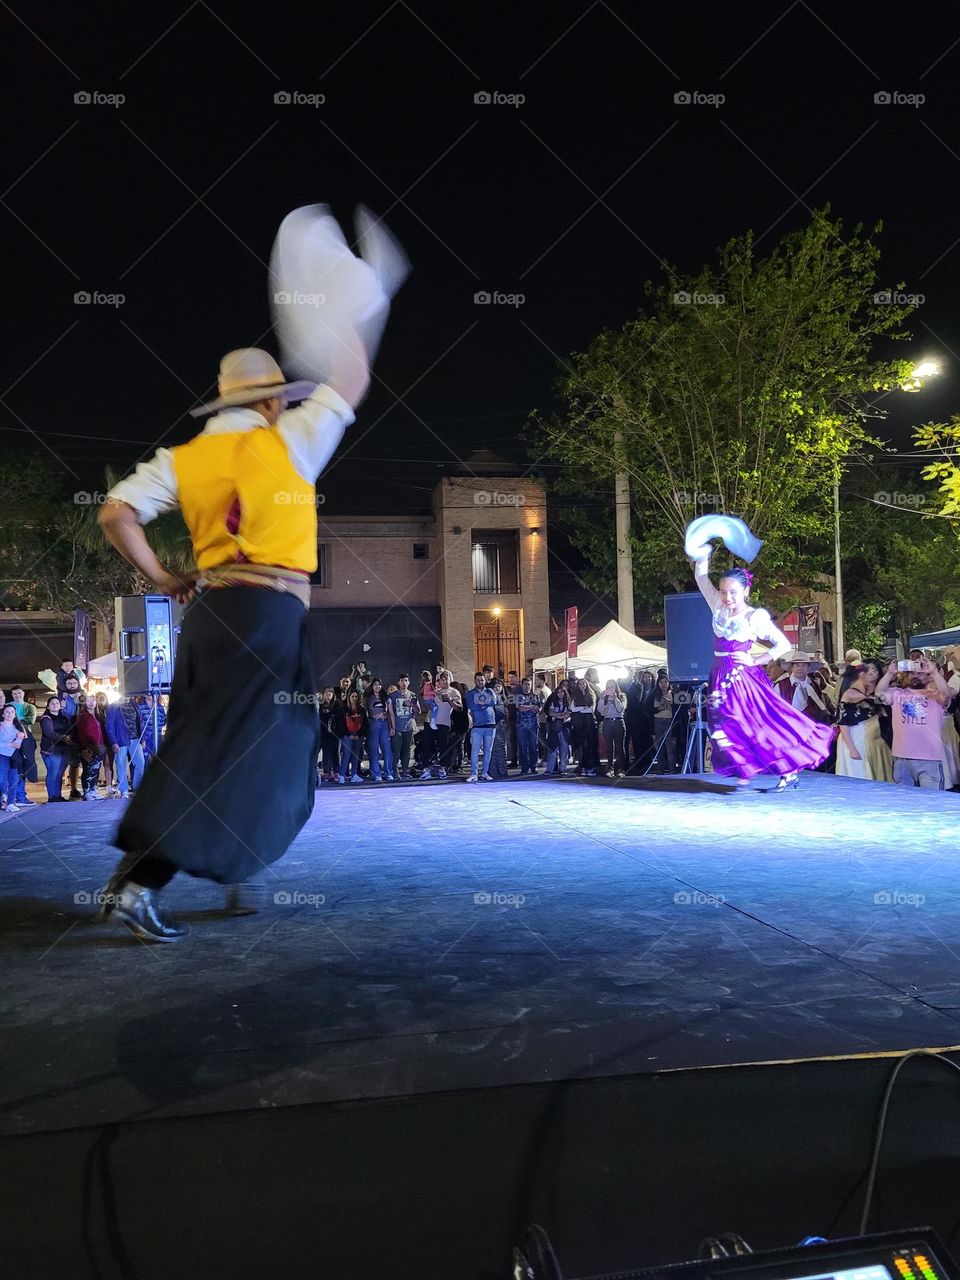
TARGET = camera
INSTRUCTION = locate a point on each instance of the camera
(908, 664)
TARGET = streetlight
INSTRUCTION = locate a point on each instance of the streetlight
(496, 613)
(914, 382)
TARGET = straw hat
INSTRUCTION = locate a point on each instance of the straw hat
(248, 375)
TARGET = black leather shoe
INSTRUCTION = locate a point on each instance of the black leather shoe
(109, 897)
(138, 910)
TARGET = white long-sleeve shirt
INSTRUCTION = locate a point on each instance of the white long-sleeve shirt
(312, 431)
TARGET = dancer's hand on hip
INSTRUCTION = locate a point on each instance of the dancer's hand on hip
(179, 585)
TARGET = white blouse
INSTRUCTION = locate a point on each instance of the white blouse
(752, 624)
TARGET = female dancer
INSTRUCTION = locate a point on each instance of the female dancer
(861, 750)
(753, 729)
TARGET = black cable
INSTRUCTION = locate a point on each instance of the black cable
(882, 1121)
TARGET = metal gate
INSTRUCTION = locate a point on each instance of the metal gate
(498, 644)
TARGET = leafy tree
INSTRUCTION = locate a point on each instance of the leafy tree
(945, 470)
(739, 389)
(901, 571)
(54, 555)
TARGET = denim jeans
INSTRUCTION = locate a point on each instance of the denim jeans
(124, 756)
(482, 737)
(400, 745)
(438, 746)
(10, 775)
(613, 736)
(55, 763)
(378, 739)
(350, 757)
(527, 729)
(329, 754)
(559, 739)
(663, 738)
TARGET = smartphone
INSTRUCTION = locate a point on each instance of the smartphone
(908, 664)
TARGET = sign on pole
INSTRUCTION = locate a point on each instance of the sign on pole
(573, 631)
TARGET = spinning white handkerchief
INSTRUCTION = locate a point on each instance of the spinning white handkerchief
(732, 531)
(325, 299)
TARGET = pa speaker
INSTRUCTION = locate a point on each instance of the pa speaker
(689, 628)
(147, 632)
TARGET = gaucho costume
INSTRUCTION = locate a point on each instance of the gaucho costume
(233, 781)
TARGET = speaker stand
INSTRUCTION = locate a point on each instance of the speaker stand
(693, 759)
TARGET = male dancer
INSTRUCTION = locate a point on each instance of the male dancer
(233, 781)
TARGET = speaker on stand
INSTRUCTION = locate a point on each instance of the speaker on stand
(689, 635)
(147, 636)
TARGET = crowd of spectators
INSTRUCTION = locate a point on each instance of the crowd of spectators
(894, 722)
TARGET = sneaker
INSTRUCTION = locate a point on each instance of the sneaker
(21, 803)
(12, 808)
(472, 778)
(76, 795)
(390, 777)
(377, 779)
(426, 776)
(123, 795)
(487, 778)
(441, 773)
(356, 778)
(341, 781)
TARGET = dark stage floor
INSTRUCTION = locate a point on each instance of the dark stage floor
(431, 938)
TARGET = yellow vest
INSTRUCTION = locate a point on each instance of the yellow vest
(242, 500)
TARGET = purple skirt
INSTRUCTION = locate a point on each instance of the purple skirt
(753, 730)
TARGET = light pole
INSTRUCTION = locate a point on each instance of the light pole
(621, 498)
(496, 614)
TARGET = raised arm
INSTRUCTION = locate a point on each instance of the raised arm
(709, 592)
(882, 690)
(313, 430)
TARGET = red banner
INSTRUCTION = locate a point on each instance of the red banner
(573, 631)
(790, 626)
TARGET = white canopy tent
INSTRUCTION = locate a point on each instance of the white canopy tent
(102, 668)
(613, 650)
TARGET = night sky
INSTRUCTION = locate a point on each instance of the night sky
(571, 198)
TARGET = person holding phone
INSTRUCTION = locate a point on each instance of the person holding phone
(919, 700)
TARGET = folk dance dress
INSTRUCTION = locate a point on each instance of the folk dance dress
(752, 729)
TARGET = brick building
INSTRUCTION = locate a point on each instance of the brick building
(464, 585)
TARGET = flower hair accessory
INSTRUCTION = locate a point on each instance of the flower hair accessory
(749, 577)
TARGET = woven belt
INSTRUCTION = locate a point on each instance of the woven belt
(259, 575)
